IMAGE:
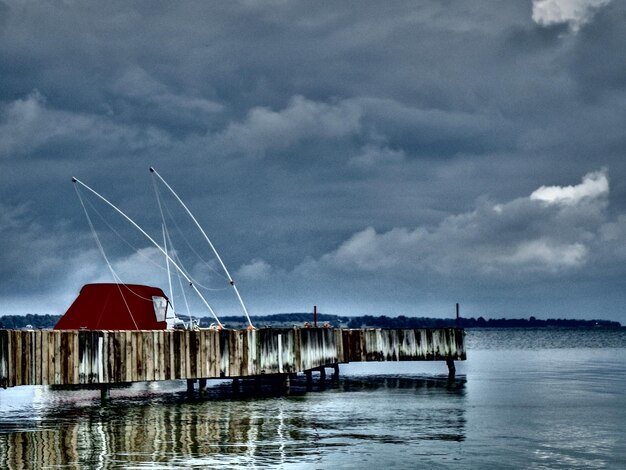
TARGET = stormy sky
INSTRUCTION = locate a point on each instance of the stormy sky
(368, 157)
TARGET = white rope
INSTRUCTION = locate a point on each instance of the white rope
(101, 248)
(180, 282)
(75, 180)
(138, 251)
(182, 233)
(166, 236)
(230, 279)
(169, 275)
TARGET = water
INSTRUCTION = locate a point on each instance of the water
(523, 399)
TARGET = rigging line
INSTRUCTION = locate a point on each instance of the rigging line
(195, 281)
(166, 231)
(182, 234)
(180, 282)
(75, 180)
(178, 229)
(230, 279)
(119, 235)
(116, 277)
(169, 275)
(137, 251)
(101, 248)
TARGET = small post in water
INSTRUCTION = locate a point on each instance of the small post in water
(315, 316)
(457, 315)
(451, 371)
(105, 394)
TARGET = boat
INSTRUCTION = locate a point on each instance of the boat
(120, 306)
(111, 306)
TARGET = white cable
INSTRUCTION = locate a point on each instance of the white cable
(232, 282)
(101, 248)
(75, 180)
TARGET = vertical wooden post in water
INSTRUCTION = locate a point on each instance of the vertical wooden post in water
(105, 393)
(190, 386)
(451, 369)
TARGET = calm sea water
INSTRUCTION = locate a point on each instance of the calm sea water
(523, 399)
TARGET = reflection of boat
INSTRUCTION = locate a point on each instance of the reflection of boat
(120, 307)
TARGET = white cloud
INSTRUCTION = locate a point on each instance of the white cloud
(256, 270)
(27, 124)
(265, 129)
(555, 229)
(545, 254)
(594, 185)
(573, 12)
(370, 251)
(137, 84)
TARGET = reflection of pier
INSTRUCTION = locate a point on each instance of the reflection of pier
(148, 429)
(46, 357)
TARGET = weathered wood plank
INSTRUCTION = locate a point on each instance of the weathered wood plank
(204, 353)
(176, 337)
(134, 356)
(119, 366)
(140, 356)
(17, 354)
(193, 344)
(4, 358)
(94, 358)
(169, 355)
(186, 367)
(128, 353)
(58, 358)
(159, 373)
(37, 358)
(74, 344)
(148, 354)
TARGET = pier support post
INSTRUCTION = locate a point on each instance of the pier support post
(336, 371)
(236, 385)
(322, 374)
(190, 386)
(105, 393)
(451, 369)
(309, 379)
(202, 386)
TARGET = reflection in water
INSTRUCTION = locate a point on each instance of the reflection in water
(151, 427)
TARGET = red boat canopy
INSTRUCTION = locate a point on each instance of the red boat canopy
(115, 307)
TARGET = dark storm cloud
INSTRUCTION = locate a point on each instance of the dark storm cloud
(328, 148)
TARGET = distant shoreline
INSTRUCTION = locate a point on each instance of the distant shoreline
(402, 321)
(362, 321)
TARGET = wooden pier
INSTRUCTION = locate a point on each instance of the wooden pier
(52, 357)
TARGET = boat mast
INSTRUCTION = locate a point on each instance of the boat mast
(180, 270)
(230, 279)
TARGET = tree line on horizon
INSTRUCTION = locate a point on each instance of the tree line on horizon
(402, 321)
(37, 321)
